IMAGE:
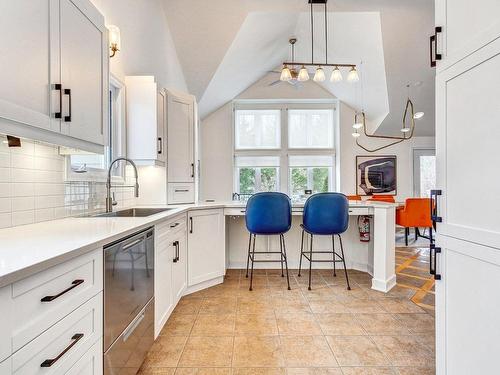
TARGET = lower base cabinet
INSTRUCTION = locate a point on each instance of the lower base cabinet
(171, 268)
(90, 363)
(206, 245)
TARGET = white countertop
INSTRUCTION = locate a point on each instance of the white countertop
(28, 249)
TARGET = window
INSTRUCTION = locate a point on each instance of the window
(424, 172)
(257, 129)
(284, 147)
(255, 174)
(83, 165)
(310, 128)
(314, 173)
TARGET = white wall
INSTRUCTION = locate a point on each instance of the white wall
(147, 47)
(216, 143)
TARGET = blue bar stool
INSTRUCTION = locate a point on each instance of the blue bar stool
(268, 214)
(325, 214)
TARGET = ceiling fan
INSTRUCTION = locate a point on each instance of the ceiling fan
(293, 72)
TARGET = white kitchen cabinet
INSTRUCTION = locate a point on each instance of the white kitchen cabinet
(146, 121)
(465, 27)
(90, 363)
(206, 245)
(467, 254)
(55, 72)
(181, 164)
(170, 264)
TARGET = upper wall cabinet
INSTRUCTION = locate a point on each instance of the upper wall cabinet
(465, 27)
(54, 72)
(146, 121)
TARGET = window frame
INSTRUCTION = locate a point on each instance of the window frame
(118, 148)
(284, 170)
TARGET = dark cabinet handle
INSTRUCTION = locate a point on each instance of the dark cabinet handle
(49, 362)
(181, 190)
(174, 225)
(434, 207)
(74, 284)
(176, 257)
(68, 92)
(190, 225)
(58, 87)
(433, 261)
(192, 169)
(160, 146)
(433, 46)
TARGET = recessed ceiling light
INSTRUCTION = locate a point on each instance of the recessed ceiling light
(418, 115)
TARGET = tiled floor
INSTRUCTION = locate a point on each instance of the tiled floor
(228, 330)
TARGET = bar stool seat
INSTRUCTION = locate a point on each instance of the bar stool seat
(268, 213)
(325, 214)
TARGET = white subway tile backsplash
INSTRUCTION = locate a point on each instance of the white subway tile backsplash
(33, 187)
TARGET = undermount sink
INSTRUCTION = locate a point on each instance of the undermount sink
(134, 212)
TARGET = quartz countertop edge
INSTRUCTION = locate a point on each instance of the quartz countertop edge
(28, 249)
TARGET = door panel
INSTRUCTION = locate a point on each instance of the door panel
(468, 304)
(162, 124)
(25, 63)
(82, 73)
(180, 139)
(179, 268)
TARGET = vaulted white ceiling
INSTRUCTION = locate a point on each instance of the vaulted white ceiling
(224, 46)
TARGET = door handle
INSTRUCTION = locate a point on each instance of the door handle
(49, 362)
(190, 225)
(160, 145)
(433, 46)
(434, 207)
(58, 87)
(192, 170)
(68, 118)
(433, 261)
(176, 256)
(74, 284)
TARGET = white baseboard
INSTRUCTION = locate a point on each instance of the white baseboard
(204, 285)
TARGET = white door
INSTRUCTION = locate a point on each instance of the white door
(84, 78)
(466, 26)
(467, 255)
(180, 112)
(163, 279)
(179, 267)
(161, 126)
(206, 245)
(424, 172)
(27, 69)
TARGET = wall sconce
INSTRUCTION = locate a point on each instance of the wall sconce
(114, 39)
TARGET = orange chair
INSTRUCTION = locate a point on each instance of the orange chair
(354, 197)
(383, 198)
(416, 213)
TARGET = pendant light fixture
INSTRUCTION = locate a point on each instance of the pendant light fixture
(409, 113)
(320, 74)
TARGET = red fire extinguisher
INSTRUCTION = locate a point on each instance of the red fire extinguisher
(364, 228)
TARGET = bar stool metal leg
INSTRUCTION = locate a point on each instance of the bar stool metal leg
(310, 262)
(252, 259)
(343, 261)
(334, 257)
(281, 258)
(301, 251)
(248, 255)
(282, 238)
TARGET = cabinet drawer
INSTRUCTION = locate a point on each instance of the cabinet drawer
(360, 211)
(180, 193)
(166, 229)
(56, 350)
(90, 363)
(43, 299)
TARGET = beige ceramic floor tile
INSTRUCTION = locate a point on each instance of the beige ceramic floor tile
(404, 350)
(207, 352)
(399, 305)
(165, 352)
(179, 325)
(339, 324)
(416, 371)
(368, 371)
(417, 323)
(307, 351)
(313, 371)
(368, 306)
(214, 325)
(188, 306)
(297, 324)
(259, 371)
(356, 351)
(256, 324)
(254, 305)
(327, 306)
(382, 324)
(216, 305)
(257, 351)
(203, 371)
(156, 371)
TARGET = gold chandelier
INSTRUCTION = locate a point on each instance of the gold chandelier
(360, 122)
(288, 72)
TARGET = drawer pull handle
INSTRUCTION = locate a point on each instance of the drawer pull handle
(74, 284)
(49, 362)
(181, 190)
(174, 225)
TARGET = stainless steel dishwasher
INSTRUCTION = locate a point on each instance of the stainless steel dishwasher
(128, 302)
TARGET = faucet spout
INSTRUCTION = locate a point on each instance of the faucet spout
(109, 200)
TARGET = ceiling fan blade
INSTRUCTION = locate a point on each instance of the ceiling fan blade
(275, 83)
